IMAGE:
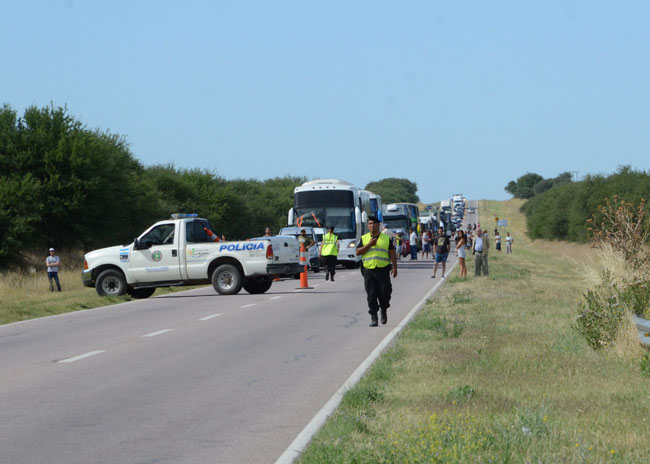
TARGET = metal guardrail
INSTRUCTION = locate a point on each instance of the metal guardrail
(643, 326)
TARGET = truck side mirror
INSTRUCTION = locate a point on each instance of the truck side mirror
(141, 245)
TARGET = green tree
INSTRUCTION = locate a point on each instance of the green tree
(238, 209)
(20, 212)
(63, 184)
(562, 211)
(268, 202)
(394, 190)
(524, 186)
(531, 184)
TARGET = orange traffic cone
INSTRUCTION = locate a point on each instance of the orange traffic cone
(211, 235)
(304, 284)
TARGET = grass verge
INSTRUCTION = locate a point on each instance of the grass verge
(492, 371)
(28, 296)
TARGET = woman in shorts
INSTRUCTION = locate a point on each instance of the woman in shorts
(461, 252)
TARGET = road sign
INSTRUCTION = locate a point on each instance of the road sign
(502, 222)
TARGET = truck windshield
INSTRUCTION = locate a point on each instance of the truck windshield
(397, 223)
(160, 235)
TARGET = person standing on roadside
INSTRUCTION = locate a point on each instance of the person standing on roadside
(398, 245)
(508, 243)
(329, 250)
(413, 243)
(442, 245)
(480, 251)
(53, 263)
(461, 252)
(426, 244)
(378, 262)
(267, 232)
(497, 240)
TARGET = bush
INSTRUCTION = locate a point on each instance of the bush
(622, 275)
(600, 316)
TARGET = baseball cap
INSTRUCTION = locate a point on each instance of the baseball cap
(51, 249)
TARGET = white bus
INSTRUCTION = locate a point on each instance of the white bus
(322, 203)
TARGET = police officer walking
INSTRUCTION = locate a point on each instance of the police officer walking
(378, 262)
(329, 250)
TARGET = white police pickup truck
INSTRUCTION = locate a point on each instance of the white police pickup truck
(180, 251)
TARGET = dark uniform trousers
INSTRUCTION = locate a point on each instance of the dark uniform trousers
(330, 264)
(378, 288)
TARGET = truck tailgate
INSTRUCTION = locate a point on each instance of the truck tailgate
(285, 249)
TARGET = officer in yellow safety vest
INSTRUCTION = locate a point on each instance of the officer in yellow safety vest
(379, 261)
(329, 250)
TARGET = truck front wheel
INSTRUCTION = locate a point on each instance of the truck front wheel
(257, 286)
(110, 283)
(227, 280)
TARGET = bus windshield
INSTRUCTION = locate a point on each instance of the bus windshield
(324, 208)
(340, 217)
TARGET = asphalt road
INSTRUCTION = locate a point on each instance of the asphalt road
(192, 377)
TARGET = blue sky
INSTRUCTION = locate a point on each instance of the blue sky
(459, 96)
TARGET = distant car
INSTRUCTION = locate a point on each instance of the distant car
(313, 258)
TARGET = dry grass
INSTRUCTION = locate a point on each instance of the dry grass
(27, 295)
(626, 345)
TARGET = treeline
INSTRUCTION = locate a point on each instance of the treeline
(395, 190)
(64, 185)
(562, 211)
(531, 184)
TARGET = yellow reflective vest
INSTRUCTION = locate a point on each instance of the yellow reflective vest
(329, 245)
(376, 256)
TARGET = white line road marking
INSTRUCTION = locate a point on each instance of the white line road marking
(211, 316)
(81, 356)
(275, 297)
(248, 305)
(315, 285)
(160, 332)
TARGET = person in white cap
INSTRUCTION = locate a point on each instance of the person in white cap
(53, 262)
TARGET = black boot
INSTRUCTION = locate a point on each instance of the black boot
(384, 316)
(373, 320)
(327, 275)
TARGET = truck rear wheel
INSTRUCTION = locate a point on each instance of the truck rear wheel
(227, 280)
(110, 283)
(257, 286)
(141, 293)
